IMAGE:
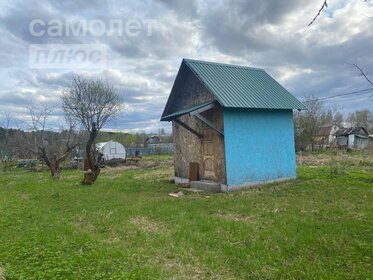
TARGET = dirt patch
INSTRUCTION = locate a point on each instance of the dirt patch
(145, 224)
(118, 169)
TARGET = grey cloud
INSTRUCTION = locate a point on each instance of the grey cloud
(184, 8)
(143, 68)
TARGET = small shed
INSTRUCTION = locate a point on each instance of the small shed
(111, 150)
(353, 138)
(234, 123)
(325, 136)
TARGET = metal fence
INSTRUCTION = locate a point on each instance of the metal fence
(152, 149)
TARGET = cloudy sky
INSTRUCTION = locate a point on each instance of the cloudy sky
(144, 42)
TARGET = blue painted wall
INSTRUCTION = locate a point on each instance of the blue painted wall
(259, 145)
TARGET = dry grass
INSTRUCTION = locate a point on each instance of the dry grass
(146, 224)
(158, 174)
(82, 222)
(237, 218)
(114, 238)
(355, 158)
(156, 169)
(182, 270)
(2, 274)
(188, 266)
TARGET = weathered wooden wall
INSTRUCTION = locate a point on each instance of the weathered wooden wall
(190, 148)
(187, 91)
(208, 151)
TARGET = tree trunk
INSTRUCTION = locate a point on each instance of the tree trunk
(54, 167)
(91, 161)
(91, 170)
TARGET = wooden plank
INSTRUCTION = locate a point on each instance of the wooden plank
(202, 109)
(179, 122)
(193, 171)
(208, 123)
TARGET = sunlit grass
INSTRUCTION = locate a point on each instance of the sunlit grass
(126, 226)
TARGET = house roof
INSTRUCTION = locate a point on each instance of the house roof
(324, 130)
(243, 87)
(352, 130)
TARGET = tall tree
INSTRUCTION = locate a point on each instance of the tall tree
(92, 103)
(362, 118)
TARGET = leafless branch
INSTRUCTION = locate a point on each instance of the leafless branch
(324, 5)
(362, 73)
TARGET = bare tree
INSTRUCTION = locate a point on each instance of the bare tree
(40, 144)
(308, 122)
(6, 156)
(362, 118)
(338, 119)
(92, 103)
(362, 73)
(5, 125)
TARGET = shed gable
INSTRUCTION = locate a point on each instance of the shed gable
(187, 92)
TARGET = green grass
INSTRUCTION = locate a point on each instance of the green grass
(126, 226)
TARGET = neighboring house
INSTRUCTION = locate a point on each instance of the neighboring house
(325, 136)
(371, 141)
(234, 123)
(352, 138)
(111, 150)
(152, 140)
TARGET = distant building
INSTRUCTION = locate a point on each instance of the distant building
(232, 126)
(353, 138)
(325, 137)
(152, 140)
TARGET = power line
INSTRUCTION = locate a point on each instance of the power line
(346, 94)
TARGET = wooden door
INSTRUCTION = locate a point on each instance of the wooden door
(208, 158)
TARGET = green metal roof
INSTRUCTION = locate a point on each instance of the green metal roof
(243, 87)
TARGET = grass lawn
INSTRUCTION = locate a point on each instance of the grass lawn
(126, 226)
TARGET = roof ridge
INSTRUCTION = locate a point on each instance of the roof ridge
(222, 64)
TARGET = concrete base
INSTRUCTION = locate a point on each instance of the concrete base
(225, 188)
(180, 180)
(207, 186)
(210, 186)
